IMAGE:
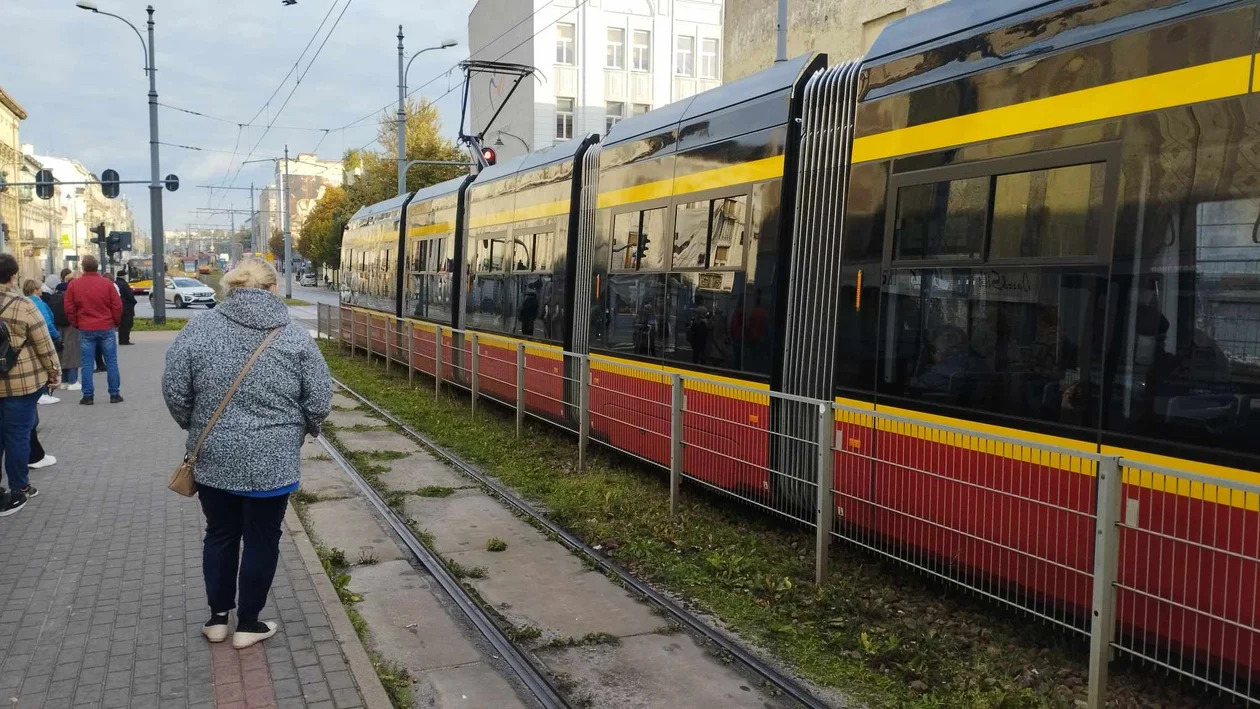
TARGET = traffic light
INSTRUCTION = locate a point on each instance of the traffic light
(99, 231)
(488, 155)
(109, 184)
(118, 242)
(44, 184)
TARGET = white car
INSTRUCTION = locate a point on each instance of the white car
(183, 292)
(308, 279)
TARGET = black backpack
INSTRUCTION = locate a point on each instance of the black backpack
(56, 302)
(8, 351)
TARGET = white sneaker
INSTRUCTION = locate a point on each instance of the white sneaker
(74, 387)
(45, 399)
(242, 640)
(44, 462)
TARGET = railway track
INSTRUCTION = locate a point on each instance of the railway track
(534, 677)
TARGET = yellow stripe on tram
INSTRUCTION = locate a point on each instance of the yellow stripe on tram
(743, 173)
(1205, 82)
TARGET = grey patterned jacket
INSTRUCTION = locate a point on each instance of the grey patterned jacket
(257, 442)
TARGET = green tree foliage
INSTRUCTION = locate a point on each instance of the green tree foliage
(276, 245)
(373, 177)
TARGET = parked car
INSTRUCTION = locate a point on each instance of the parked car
(308, 279)
(183, 292)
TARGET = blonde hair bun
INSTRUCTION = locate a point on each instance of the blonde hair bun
(250, 273)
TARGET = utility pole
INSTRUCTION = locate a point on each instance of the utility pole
(402, 118)
(253, 221)
(288, 240)
(781, 56)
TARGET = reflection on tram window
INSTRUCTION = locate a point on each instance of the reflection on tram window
(1021, 342)
(636, 318)
(1048, 213)
(942, 219)
(522, 252)
(639, 242)
(652, 241)
(691, 234)
(625, 241)
(705, 317)
(726, 242)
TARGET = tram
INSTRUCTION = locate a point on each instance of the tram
(1037, 219)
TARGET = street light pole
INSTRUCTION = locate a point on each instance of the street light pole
(402, 108)
(155, 180)
(288, 240)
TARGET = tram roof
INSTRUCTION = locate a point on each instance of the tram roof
(950, 18)
(369, 210)
(441, 189)
(560, 152)
(780, 76)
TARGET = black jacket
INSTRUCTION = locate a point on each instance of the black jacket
(128, 296)
(56, 302)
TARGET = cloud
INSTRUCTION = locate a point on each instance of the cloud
(81, 79)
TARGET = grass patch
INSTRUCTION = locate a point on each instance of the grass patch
(147, 325)
(323, 457)
(523, 634)
(386, 455)
(295, 301)
(588, 639)
(306, 497)
(496, 544)
(435, 491)
(460, 571)
(877, 632)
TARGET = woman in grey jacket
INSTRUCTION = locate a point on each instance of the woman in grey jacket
(249, 463)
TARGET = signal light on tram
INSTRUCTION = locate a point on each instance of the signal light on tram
(488, 155)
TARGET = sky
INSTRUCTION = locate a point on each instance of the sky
(81, 79)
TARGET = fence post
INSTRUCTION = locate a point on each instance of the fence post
(353, 332)
(319, 321)
(825, 501)
(389, 341)
(584, 411)
(678, 404)
(437, 360)
(341, 333)
(476, 366)
(520, 387)
(411, 362)
(1106, 565)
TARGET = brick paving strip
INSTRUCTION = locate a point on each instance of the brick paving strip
(101, 594)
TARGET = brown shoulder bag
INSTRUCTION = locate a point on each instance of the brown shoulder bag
(183, 480)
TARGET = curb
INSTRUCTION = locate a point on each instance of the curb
(370, 687)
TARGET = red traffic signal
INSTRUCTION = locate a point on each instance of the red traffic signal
(487, 154)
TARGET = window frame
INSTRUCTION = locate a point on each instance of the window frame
(566, 45)
(717, 58)
(646, 66)
(614, 50)
(1106, 153)
(640, 208)
(691, 55)
(571, 113)
(611, 120)
(633, 108)
(710, 196)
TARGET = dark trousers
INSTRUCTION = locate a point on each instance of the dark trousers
(229, 519)
(124, 327)
(17, 419)
(37, 450)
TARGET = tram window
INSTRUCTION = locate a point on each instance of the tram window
(496, 255)
(726, 241)
(1048, 213)
(625, 240)
(523, 252)
(1021, 342)
(942, 220)
(652, 241)
(543, 244)
(422, 258)
(691, 232)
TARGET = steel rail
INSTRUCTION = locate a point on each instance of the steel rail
(534, 678)
(788, 686)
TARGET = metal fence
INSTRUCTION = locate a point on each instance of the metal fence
(1158, 564)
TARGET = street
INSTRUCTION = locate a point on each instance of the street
(313, 296)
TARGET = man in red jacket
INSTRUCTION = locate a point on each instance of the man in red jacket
(95, 309)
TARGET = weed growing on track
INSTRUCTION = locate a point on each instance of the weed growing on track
(496, 544)
(460, 571)
(435, 491)
(876, 631)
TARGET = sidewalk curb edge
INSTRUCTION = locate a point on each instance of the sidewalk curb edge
(369, 684)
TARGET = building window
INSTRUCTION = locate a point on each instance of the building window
(616, 57)
(686, 56)
(566, 44)
(641, 60)
(615, 111)
(564, 118)
(708, 59)
(638, 109)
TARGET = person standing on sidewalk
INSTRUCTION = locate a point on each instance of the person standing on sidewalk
(35, 367)
(129, 308)
(249, 462)
(30, 289)
(69, 354)
(94, 307)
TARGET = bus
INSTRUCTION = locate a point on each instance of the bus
(140, 274)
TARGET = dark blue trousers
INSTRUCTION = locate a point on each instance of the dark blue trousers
(231, 518)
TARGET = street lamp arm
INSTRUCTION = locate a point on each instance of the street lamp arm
(139, 36)
(444, 45)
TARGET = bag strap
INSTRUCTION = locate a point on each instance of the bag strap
(214, 418)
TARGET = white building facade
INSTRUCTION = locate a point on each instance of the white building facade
(598, 62)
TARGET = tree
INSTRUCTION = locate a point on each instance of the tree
(276, 245)
(376, 178)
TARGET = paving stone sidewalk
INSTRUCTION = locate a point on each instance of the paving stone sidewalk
(101, 594)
